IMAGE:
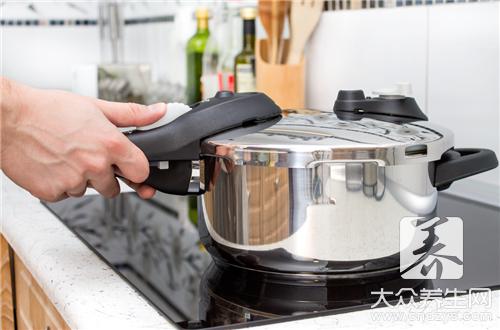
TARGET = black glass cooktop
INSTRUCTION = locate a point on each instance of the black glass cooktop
(153, 245)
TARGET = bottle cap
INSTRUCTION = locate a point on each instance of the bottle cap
(248, 13)
(202, 12)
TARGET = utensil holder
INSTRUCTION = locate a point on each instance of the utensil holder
(284, 83)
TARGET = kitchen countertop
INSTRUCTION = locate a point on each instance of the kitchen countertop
(90, 295)
(87, 293)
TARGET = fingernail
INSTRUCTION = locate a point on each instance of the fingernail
(157, 107)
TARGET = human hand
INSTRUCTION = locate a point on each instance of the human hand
(55, 144)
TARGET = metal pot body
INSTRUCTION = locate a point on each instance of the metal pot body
(333, 217)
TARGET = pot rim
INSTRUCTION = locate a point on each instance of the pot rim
(288, 144)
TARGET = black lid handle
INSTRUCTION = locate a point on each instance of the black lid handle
(353, 105)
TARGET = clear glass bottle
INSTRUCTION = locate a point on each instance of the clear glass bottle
(226, 67)
(244, 66)
(215, 50)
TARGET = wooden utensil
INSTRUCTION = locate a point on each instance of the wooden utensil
(283, 11)
(274, 31)
(272, 16)
(265, 19)
(304, 15)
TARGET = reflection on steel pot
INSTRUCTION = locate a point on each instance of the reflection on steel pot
(311, 191)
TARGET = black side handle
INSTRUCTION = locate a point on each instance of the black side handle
(456, 164)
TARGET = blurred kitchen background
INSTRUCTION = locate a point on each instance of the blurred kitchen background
(448, 50)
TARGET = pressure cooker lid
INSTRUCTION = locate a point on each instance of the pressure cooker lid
(304, 138)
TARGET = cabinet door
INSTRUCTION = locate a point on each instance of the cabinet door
(34, 310)
(7, 317)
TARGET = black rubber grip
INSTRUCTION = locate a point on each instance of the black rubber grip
(179, 142)
(180, 139)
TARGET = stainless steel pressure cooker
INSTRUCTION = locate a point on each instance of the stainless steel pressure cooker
(307, 191)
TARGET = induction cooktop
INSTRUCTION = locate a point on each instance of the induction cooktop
(154, 246)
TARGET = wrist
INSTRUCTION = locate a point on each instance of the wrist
(12, 107)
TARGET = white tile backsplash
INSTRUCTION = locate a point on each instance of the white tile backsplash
(52, 9)
(463, 84)
(366, 49)
(46, 56)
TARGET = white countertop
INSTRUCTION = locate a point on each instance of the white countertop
(87, 293)
(90, 295)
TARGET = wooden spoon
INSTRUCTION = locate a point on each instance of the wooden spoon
(304, 15)
(272, 16)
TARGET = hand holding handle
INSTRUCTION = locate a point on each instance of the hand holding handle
(174, 149)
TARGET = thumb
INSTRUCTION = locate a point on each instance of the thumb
(131, 114)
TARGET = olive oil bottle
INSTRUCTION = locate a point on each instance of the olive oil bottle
(244, 63)
(194, 50)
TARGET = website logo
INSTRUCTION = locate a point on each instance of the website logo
(431, 248)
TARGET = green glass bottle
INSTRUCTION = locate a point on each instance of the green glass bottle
(244, 63)
(194, 51)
